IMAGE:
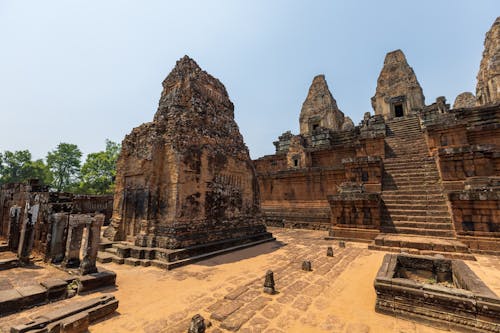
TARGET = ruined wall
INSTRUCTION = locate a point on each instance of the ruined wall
(186, 178)
(397, 86)
(488, 78)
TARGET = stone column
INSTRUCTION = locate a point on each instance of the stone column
(14, 227)
(94, 225)
(74, 240)
(56, 239)
(27, 233)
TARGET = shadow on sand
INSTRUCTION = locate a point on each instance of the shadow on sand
(243, 254)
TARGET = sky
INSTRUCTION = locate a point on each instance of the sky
(85, 71)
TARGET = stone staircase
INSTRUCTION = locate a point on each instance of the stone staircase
(415, 215)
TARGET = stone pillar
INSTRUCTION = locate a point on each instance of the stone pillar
(14, 227)
(94, 225)
(27, 233)
(74, 240)
(56, 239)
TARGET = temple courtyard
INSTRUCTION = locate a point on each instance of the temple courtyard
(227, 290)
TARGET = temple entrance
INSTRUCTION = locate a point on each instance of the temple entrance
(398, 110)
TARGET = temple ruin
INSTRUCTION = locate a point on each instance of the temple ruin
(417, 183)
(185, 181)
(424, 178)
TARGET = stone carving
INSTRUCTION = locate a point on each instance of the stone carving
(186, 178)
(320, 109)
(488, 78)
(398, 92)
(464, 100)
(329, 252)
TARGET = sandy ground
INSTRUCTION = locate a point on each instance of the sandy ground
(337, 296)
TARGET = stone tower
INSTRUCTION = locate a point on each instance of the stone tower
(186, 178)
(398, 92)
(488, 78)
(320, 109)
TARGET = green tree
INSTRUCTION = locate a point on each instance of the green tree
(99, 170)
(64, 162)
(17, 166)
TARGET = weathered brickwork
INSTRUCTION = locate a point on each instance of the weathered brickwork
(186, 178)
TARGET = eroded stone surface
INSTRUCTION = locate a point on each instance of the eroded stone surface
(320, 109)
(464, 100)
(186, 178)
(488, 78)
(397, 86)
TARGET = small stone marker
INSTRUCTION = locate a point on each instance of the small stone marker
(329, 252)
(197, 324)
(269, 283)
(306, 266)
(342, 244)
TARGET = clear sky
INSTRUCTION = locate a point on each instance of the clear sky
(84, 71)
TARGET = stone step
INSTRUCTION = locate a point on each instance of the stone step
(111, 250)
(422, 191)
(411, 166)
(421, 243)
(106, 257)
(409, 185)
(418, 231)
(431, 206)
(422, 225)
(449, 255)
(438, 219)
(416, 201)
(418, 212)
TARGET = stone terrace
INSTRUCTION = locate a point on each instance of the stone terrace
(337, 296)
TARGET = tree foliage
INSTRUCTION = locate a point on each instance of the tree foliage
(99, 170)
(17, 167)
(62, 170)
(64, 163)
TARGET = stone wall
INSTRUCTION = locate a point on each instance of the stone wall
(355, 214)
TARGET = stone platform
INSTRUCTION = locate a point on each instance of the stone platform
(415, 244)
(127, 253)
(336, 296)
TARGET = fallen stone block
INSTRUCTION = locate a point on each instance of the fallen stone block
(33, 295)
(10, 301)
(96, 280)
(56, 288)
(74, 318)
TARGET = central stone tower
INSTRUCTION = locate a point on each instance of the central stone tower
(186, 178)
(398, 92)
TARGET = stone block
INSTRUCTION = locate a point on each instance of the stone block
(56, 288)
(10, 301)
(33, 295)
(96, 280)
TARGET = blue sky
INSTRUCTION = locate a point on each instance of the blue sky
(84, 71)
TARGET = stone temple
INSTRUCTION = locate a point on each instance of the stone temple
(186, 179)
(414, 177)
(416, 185)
